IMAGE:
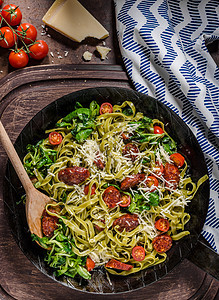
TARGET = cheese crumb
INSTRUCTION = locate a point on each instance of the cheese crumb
(103, 51)
(87, 55)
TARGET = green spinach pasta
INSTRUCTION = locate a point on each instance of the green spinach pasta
(120, 188)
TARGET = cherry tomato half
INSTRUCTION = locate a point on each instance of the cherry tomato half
(162, 243)
(55, 138)
(178, 159)
(138, 253)
(106, 108)
(158, 130)
(152, 183)
(158, 169)
(38, 50)
(162, 225)
(90, 264)
(115, 264)
(7, 37)
(27, 32)
(12, 14)
(125, 200)
(93, 189)
(18, 59)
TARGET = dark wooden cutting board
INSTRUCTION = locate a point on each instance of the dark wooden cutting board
(23, 93)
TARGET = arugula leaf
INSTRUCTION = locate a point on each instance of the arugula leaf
(140, 203)
(127, 111)
(61, 256)
(63, 124)
(169, 145)
(39, 158)
(154, 199)
(95, 109)
(82, 135)
(82, 120)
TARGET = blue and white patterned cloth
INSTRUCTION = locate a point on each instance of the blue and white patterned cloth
(163, 45)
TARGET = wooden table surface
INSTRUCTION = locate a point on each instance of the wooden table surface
(19, 278)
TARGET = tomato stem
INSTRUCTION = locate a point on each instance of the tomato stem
(15, 33)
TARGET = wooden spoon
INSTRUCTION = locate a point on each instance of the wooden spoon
(35, 200)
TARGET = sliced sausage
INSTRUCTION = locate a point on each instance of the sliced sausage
(74, 175)
(49, 223)
(172, 175)
(162, 243)
(111, 196)
(132, 181)
(130, 150)
(115, 264)
(128, 222)
(99, 163)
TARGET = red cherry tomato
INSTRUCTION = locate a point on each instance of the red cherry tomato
(162, 225)
(93, 189)
(138, 253)
(125, 200)
(158, 130)
(162, 243)
(178, 159)
(27, 32)
(18, 59)
(55, 138)
(152, 183)
(158, 169)
(38, 50)
(115, 264)
(12, 14)
(106, 108)
(7, 37)
(1, 2)
(90, 264)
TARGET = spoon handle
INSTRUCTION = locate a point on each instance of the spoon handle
(14, 158)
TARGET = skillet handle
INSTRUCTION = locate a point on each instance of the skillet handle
(205, 258)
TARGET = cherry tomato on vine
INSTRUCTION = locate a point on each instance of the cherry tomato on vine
(55, 138)
(27, 32)
(158, 130)
(90, 264)
(7, 37)
(106, 108)
(162, 225)
(125, 200)
(18, 58)
(138, 253)
(12, 14)
(152, 183)
(178, 159)
(93, 189)
(38, 50)
(162, 243)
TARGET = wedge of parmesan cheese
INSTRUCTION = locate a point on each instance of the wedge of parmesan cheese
(71, 19)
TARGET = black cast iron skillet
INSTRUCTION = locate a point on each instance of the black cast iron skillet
(188, 146)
